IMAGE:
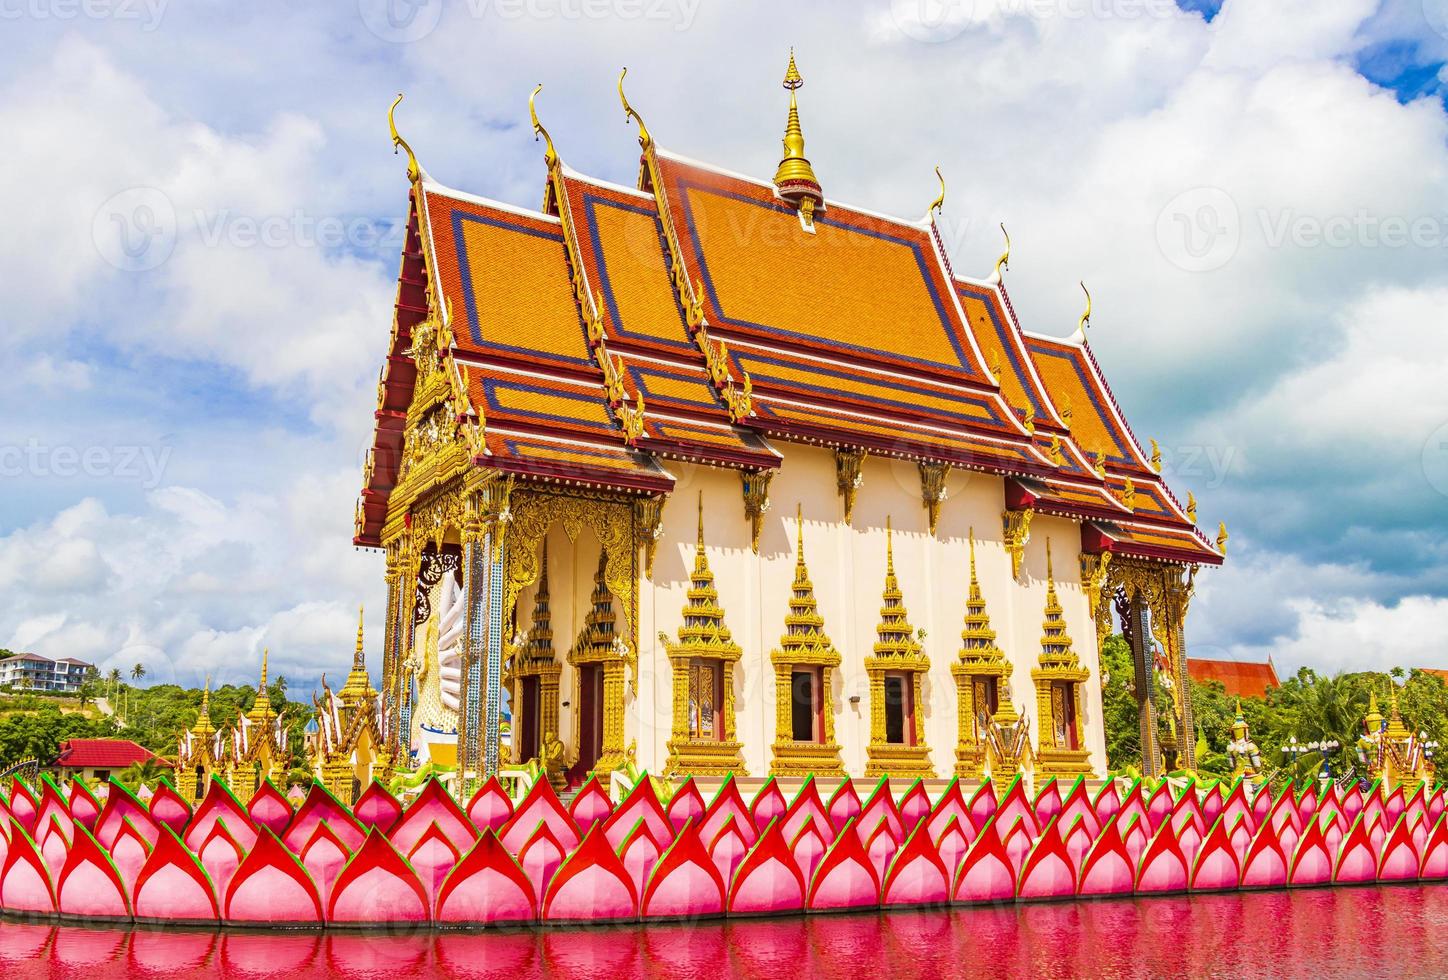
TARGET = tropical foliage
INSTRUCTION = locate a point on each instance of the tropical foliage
(1309, 706)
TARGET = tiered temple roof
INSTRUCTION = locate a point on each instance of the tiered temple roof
(705, 314)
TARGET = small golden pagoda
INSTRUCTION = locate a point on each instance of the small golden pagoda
(598, 647)
(1391, 752)
(259, 744)
(197, 755)
(535, 688)
(349, 752)
(806, 657)
(897, 733)
(703, 658)
(1059, 679)
(982, 674)
(795, 179)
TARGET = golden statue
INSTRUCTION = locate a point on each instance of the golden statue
(430, 712)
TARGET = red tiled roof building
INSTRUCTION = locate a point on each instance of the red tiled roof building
(1241, 678)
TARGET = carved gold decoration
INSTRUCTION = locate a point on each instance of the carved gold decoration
(535, 658)
(939, 203)
(1128, 494)
(1068, 412)
(1191, 507)
(550, 155)
(1016, 528)
(804, 644)
(979, 667)
(413, 170)
(649, 521)
(704, 646)
(1155, 456)
(849, 464)
(896, 651)
(1094, 571)
(1222, 537)
(1055, 452)
(1098, 464)
(600, 643)
(1085, 320)
(1059, 679)
(645, 139)
(1030, 419)
(1004, 262)
(756, 501)
(932, 490)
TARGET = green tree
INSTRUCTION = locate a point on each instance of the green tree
(138, 671)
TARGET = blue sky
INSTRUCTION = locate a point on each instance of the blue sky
(185, 424)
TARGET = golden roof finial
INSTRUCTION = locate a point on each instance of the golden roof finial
(645, 140)
(1222, 536)
(359, 662)
(1155, 455)
(1004, 262)
(265, 652)
(939, 202)
(1085, 320)
(972, 554)
(413, 170)
(889, 548)
(550, 155)
(795, 178)
(700, 542)
(1050, 573)
(1191, 507)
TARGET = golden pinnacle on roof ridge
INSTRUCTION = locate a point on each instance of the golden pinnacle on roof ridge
(359, 660)
(645, 140)
(1085, 320)
(1003, 263)
(550, 155)
(939, 202)
(795, 179)
(413, 170)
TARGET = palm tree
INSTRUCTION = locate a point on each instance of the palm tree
(148, 772)
(138, 671)
(115, 679)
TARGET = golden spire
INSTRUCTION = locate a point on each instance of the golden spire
(977, 640)
(1396, 730)
(413, 170)
(895, 635)
(539, 646)
(550, 155)
(203, 729)
(1374, 717)
(804, 627)
(704, 631)
(358, 684)
(645, 140)
(795, 178)
(597, 635)
(262, 706)
(1056, 651)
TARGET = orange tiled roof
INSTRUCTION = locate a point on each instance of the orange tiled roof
(1241, 678)
(853, 335)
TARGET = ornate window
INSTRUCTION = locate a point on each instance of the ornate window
(804, 665)
(982, 715)
(897, 669)
(1059, 678)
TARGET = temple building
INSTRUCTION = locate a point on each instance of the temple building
(348, 746)
(626, 417)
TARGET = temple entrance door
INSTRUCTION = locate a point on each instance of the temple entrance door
(528, 734)
(590, 715)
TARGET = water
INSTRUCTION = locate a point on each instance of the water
(1394, 931)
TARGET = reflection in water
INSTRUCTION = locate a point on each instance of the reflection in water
(1334, 932)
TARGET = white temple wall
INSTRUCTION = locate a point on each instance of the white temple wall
(847, 566)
